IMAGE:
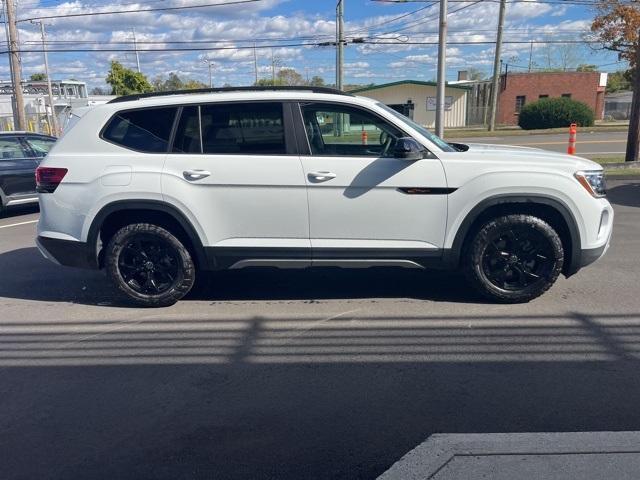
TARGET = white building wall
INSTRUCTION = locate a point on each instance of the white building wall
(418, 94)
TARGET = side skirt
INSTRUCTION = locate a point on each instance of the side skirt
(234, 258)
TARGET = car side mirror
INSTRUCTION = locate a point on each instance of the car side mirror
(407, 148)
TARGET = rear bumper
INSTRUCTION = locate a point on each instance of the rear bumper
(67, 252)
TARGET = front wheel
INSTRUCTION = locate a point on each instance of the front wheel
(514, 258)
(149, 265)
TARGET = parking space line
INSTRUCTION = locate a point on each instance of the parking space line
(18, 224)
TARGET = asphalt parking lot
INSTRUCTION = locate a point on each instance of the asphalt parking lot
(302, 374)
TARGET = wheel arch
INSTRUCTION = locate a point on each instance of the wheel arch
(553, 210)
(119, 213)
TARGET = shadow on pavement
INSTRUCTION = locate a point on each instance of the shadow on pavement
(251, 398)
(627, 195)
(35, 278)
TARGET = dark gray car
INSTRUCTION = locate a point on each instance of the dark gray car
(20, 154)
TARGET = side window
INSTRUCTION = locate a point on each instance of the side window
(243, 128)
(520, 100)
(341, 130)
(12, 149)
(40, 146)
(146, 130)
(187, 139)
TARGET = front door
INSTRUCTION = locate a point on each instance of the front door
(363, 202)
(235, 167)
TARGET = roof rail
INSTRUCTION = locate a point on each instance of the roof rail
(286, 88)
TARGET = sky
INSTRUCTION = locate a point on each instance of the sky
(289, 31)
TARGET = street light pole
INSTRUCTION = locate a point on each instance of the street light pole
(208, 62)
(54, 118)
(442, 69)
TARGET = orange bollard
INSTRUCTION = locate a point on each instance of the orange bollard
(573, 132)
(365, 137)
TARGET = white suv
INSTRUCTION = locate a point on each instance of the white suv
(155, 187)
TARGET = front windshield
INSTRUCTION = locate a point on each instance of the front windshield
(444, 146)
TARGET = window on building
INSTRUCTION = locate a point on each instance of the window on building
(520, 99)
(566, 95)
(145, 130)
(543, 96)
(243, 128)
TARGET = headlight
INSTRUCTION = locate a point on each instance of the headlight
(593, 181)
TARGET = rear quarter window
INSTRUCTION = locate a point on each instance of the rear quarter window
(145, 130)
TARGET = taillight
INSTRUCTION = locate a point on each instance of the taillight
(48, 178)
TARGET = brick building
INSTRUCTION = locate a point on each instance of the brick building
(518, 89)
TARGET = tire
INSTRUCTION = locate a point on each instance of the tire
(514, 258)
(149, 265)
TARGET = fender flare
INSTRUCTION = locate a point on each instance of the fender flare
(156, 205)
(455, 252)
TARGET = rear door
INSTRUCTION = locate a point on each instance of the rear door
(234, 166)
(17, 167)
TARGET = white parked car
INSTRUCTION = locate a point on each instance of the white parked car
(155, 187)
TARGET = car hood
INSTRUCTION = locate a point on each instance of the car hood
(516, 153)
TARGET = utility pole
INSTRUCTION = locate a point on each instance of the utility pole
(339, 44)
(54, 118)
(496, 67)
(531, 56)
(16, 69)
(442, 69)
(135, 48)
(255, 62)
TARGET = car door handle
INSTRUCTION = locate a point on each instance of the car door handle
(193, 175)
(321, 176)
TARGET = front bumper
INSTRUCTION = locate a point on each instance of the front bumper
(590, 255)
(67, 252)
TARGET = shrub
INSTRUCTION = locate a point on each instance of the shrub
(555, 113)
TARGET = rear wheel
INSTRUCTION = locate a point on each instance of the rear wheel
(149, 265)
(514, 258)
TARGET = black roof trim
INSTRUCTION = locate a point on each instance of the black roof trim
(138, 96)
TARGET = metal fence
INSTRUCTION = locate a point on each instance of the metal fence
(37, 123)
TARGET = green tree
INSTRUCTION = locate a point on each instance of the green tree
(583, 67)
(38, 77)
(289, 76)
(125, 81)
(317, 81)
(619, 81)
(191, 84)
(554, 113)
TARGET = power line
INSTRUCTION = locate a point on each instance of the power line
(116, 12)
(413, 12)
(163, 50)
(426, 19)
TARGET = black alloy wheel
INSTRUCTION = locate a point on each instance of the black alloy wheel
(517, 258)
(514, 258)
(149, 265)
